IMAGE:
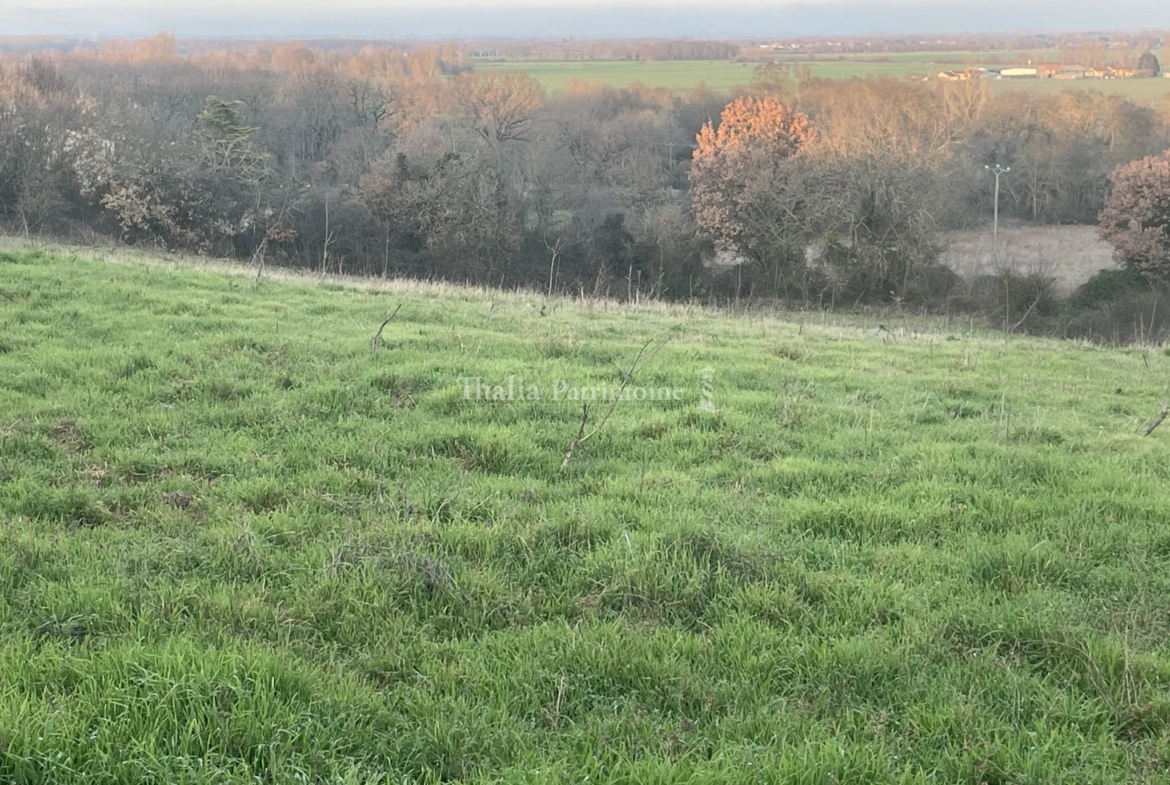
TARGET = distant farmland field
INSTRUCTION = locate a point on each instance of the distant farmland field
(676, 75)
(723, 75)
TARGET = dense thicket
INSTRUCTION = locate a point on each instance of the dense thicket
(386, 163)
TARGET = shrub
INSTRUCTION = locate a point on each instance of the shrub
(931, 284)
(1010, 299)
(1138, 317)
(1108, 286)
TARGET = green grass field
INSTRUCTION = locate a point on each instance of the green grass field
(684, 75)
(237, 548)
(723, 75)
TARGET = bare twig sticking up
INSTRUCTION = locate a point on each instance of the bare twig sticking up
(1027, 313)
(1165, 413)
(644, 356)
(260, 253)
(377, 337)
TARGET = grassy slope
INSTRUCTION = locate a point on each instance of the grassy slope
(234, 546)
(722, 75)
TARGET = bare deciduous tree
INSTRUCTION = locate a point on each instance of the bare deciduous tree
(499, 103)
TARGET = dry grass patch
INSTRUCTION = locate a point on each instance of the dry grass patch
(1070, 255)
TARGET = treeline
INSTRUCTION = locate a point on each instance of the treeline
(362, 60)
(603, 49)
(1121, 43)
(356, 166)
(341, 54)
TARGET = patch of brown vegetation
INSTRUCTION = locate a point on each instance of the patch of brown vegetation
(67, 433)
(1070, 255)
(178, 499)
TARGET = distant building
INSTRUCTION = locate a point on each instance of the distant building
(964, 76)
(1017, 73)
(1055, 71)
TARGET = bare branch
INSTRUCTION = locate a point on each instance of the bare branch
(580, 436)
(644, 356)
(1165, 413)
(374, 345)
(260, 253)
(1035, 302)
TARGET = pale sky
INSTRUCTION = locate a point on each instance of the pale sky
(582, 18)
(271, 5)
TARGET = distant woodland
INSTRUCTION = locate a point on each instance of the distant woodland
(405, 160)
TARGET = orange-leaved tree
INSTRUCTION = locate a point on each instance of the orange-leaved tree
(743, 183)
(1136, 218)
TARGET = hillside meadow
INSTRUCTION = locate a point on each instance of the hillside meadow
(239, 546)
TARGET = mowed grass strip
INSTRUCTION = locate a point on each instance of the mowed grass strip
(235, 548)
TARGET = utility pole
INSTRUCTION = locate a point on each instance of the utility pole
(997, 171)
(670, 152)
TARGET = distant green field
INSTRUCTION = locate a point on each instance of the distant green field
(1142, 90)
(679, 75)
(238, 548)
(723, 75)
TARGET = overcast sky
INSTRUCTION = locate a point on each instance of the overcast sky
(635, 18)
